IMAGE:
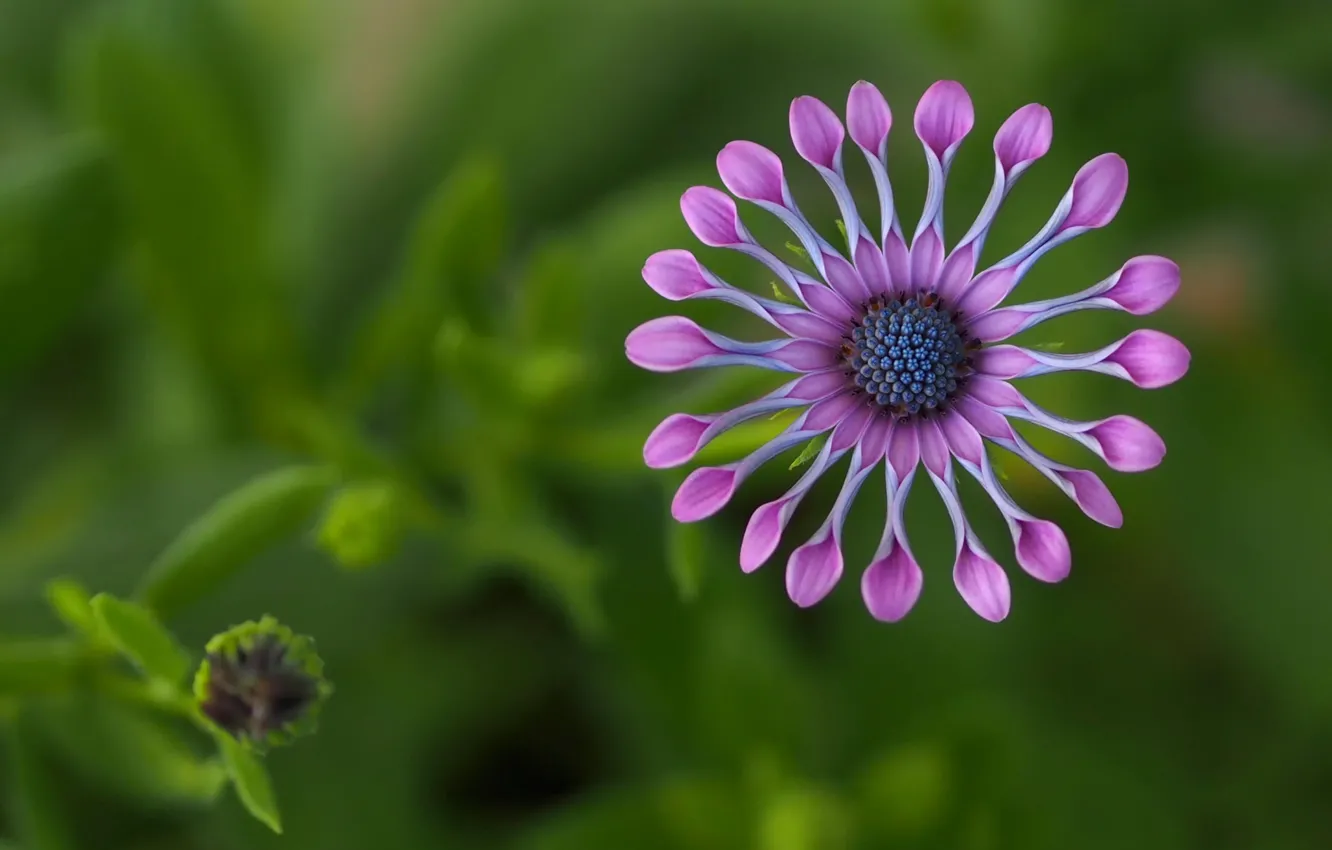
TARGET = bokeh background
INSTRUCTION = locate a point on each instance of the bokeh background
(403, 238)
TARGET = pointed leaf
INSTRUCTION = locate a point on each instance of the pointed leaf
(263, 512)
(250, 778)
(72, 604)
(136, 632)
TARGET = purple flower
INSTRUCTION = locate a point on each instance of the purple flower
(899, 350)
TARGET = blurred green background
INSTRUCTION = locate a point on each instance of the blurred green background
(403, 238)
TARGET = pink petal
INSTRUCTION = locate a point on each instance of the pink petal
(982, 584)
(703, 493)
(987, 421)
(933, 447)
(676, 440)
(895, 254)
(963, 439)
(817, 386)
(1145, 284)
(891, 586)
(872, 267)
(1093, 497)
(806, 325)
(944, 116)
(806, 355)
(1025, 137)
(813, 570)
(829, 412)
(844, 279)
(826, 302)
(675, 274)
(1003, 361)
(903, 449)
(927, 256)
(994, 392)
(751, 171)
(711, 215)
(997, 324)
(668, 344)
(763, 533)
(1151, 358)
(868, 117)
(1042, 550)
(956, 273)
(1098, 190)
(1128, 444)
(988, 289)
(815, 130)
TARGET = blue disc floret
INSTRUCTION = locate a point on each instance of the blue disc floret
(908, 355)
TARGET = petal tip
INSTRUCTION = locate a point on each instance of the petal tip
(752, 172)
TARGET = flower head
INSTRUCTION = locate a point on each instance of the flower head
(899, 349)
(261, 683)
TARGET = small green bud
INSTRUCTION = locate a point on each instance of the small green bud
(364, 525)
(262, 684)
(797, 250)
(841, 228)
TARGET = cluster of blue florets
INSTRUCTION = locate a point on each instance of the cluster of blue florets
(907, 356)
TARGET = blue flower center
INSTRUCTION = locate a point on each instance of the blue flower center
(908, 356)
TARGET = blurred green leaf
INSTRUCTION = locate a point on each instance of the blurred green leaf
(121, 749)
(72, 604)
(38, 806)
(904, 793)
(141, 638)
(687, 555)
(547, 312)
(59, 226)
(250, 778)
(804, 818)
(448, 271)
(164, 98)
(264, 511)
(32, 665)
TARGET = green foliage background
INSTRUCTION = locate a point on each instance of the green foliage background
(254, 251)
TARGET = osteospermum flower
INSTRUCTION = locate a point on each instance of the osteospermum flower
(900, 349)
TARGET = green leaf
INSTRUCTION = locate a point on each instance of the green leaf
(261, 513)
(447, 272)
(199, 196)
(905, 793)
(58, 226)
(121, 748)
(686, 556)
(547, 312)
(72, 604)
(136, 632)
(33, 666)
(37, 798)
(250, 778)
(810, 451)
